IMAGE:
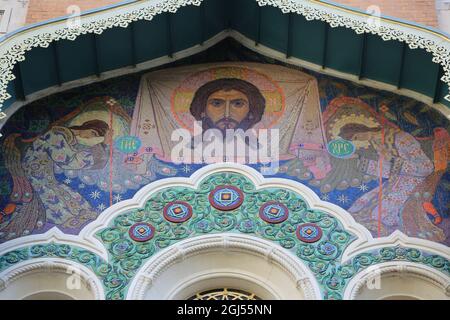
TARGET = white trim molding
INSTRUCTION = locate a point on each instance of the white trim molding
(397, 238)
(302, 277)
(54, 235)
(364, 239)
(53, 265)
(229, 242)
(401, 268)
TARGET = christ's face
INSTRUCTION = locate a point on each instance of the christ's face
(227, 109)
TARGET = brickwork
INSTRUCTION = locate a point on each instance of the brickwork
(40, 10)
(420, 11)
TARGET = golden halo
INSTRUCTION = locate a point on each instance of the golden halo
(93, 112)
(338, 123)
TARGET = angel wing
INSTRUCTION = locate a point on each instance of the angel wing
(28, 208)
(22, 191)
(344, 174)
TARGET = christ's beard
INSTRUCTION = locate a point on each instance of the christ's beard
(207, 123)
(225, 124)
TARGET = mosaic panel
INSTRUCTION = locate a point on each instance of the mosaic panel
(382, 157)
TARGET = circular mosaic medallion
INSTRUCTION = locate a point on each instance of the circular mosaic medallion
(309, 232)
(226, 198)
(328, 249)
(273, 212)
(141, 232)
(178, 211)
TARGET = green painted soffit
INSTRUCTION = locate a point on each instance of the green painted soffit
(366, 56)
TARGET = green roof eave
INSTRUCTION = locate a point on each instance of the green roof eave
(130, 33)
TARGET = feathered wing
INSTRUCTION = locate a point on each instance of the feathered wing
(344, 174)
(24, 220)
(416, 210)
(22, 190)
(28, 206)
(414, 213)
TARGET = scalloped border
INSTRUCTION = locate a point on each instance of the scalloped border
(364, 240)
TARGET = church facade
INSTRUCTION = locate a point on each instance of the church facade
(248, 149)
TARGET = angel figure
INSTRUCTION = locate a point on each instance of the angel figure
(80, 145)
(37, 196)
(411, 170)
(406, 167)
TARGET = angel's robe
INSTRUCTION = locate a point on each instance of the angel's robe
(408, 169)
(59, 146)
(301, 131)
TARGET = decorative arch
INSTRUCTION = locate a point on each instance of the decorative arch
(15, 281)
(324, 257)
(415, 275)
(280, 260)
(344, 249)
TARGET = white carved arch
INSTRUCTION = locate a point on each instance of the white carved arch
(260, 182)
(414, 274)
(54, 235)
(397, 238)
(91, 286)
(159, 267)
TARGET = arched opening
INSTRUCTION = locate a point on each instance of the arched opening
(399, 281)
(212, 270)
(399, 297)
(224, 261)
(50, 280)
(48, 295)
(225, 294)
